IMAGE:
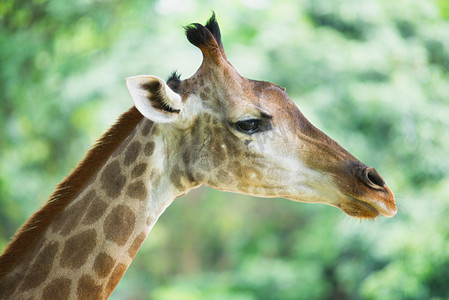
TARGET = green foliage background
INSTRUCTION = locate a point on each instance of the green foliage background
(372, 74)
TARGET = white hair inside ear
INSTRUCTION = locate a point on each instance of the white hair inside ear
(154, 99)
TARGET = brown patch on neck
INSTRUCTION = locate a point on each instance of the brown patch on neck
(68, 189)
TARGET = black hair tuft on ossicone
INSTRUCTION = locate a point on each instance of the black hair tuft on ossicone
(199, 35)
(213, 27)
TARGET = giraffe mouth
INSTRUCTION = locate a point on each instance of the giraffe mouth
(358, 209)
(361, 209)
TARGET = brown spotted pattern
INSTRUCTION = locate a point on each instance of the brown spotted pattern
(116, 275)
(138, 241)
(103, 264)
(139, 170)
(149, 148)
(78, 248)
(119, 224)
(57, 289)
(95, 211)
(112, 180)
(40, 269)
(9, 285)
(146, 128)
(131, 153)
(88, 289)
(72, 215)
(211, 162)
(137, 190)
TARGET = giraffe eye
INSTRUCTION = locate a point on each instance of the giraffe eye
(248, 126)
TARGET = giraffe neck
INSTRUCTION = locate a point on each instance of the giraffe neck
(85, 251)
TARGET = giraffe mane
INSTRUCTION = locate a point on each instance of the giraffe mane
(68, 189)
(174, 81)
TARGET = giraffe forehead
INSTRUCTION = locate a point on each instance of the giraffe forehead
(233, 99)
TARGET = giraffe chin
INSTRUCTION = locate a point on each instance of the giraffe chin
(360, 209)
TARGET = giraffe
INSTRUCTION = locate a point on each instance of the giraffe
(215, 128)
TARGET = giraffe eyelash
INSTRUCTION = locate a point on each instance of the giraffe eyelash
(252, 126)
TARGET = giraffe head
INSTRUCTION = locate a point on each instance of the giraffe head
(247, 136)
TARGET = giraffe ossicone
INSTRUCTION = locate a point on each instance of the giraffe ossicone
(215, 128)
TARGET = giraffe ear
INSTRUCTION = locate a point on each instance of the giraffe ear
(154, 98)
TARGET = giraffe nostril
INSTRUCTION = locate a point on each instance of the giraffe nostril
(373, 179)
